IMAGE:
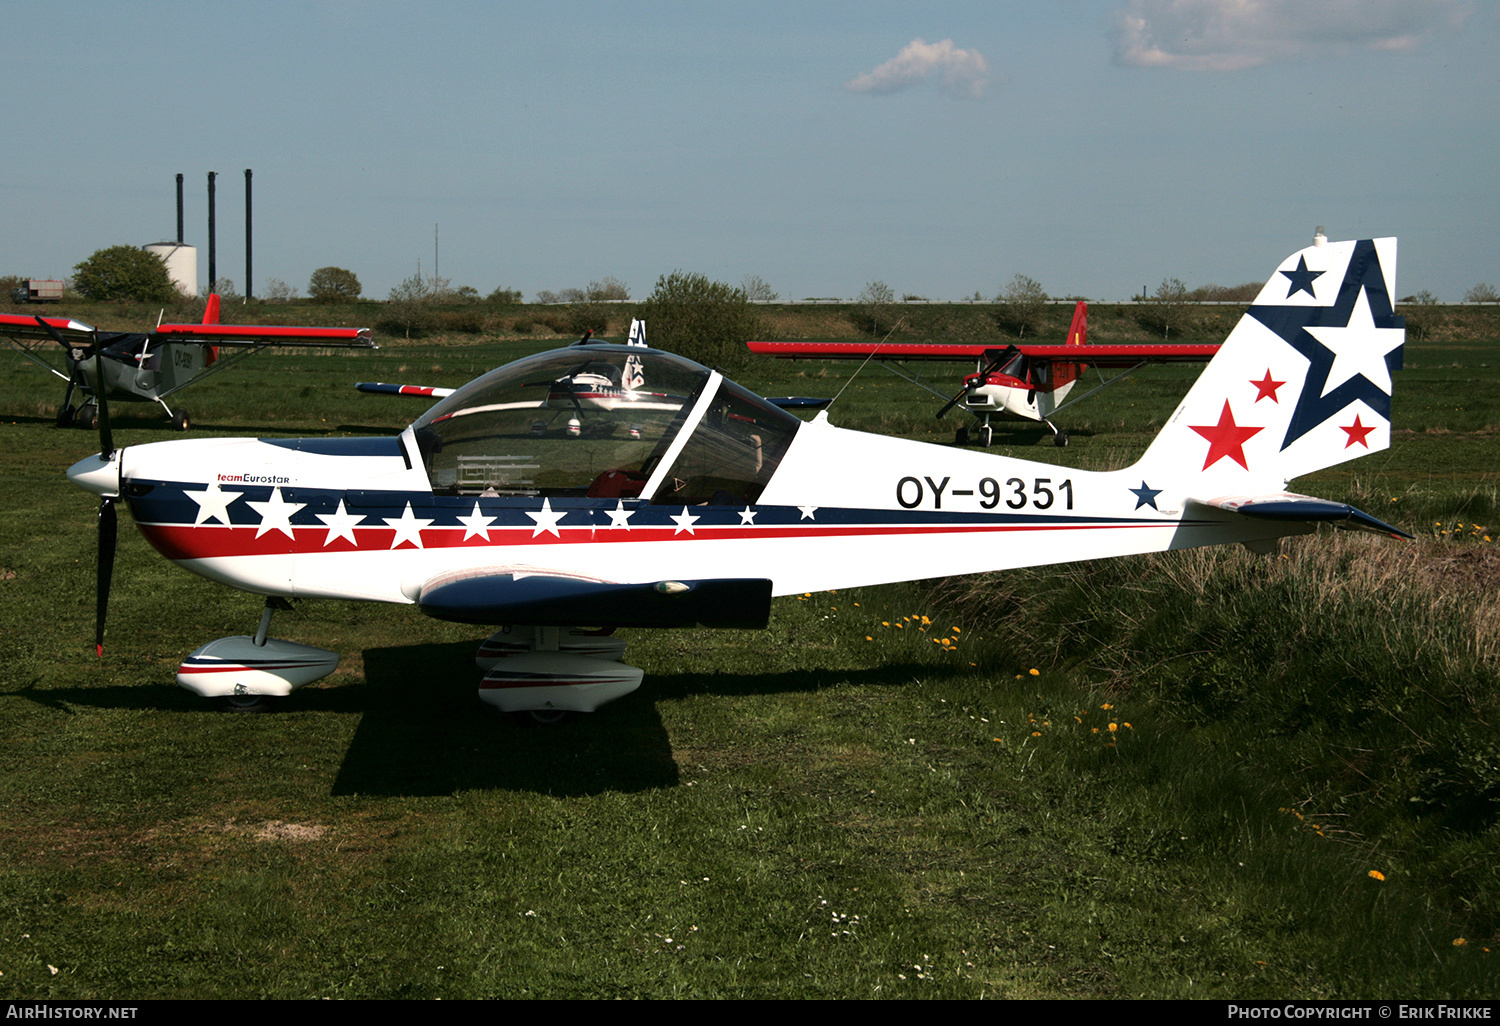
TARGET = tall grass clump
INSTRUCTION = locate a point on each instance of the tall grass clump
(1346, 681)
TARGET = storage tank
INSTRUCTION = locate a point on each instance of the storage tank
(182, 264)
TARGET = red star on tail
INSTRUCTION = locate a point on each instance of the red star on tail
(1266, 387)
(1226, 438)
(1356, 432)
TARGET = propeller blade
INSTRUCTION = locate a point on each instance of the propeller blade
(952, 402)
(990, 368)
(106, 569)
(106, 437)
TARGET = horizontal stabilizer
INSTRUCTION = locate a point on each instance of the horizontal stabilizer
(387, 388)
(547, 600)
(798, 402)
(1303, 509)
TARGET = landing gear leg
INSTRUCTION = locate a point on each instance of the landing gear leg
(985, 432)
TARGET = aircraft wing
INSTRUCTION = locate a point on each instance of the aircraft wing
(1095, 355)
(538, 598)
(265, 335)
(25, 326)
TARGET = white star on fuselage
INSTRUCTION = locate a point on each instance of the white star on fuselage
(213, 503)
(340, 524)
(807, 512)
(476, 523)
(276, 513)
(684, 521)
(1359, 348)
(408, 527)
(546, 519)
(620, 516)
(747, 517)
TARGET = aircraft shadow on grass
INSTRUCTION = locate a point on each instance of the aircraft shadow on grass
(438, 746)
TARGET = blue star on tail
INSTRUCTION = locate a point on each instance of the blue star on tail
(1292, 322)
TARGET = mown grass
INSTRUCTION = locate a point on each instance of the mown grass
(843, 805)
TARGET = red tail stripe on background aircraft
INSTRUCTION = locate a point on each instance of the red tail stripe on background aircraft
(1027, 381)
(691, 501)
(150, 366)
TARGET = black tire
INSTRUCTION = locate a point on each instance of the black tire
(1060, 440)
(247, 703)
(180, 420)
(65, 416)
(961, 436)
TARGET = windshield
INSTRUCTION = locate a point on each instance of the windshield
(595, 421)
(566, 422)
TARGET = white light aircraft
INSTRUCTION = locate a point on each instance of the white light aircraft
(693, 501)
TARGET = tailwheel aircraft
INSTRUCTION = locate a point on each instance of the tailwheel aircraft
(695, 501)
(1031, 382)
(152, 365)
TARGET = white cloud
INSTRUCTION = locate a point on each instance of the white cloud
(1230, 35)
(961, 72)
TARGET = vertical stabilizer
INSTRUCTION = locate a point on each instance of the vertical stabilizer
(1304, 380)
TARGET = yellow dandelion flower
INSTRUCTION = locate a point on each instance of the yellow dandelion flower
(1129, 727)
(957, 631)
(1459, 942)
(885, 623)
(868, 638)
(1113, 727)
(1376, 874)
(1096, 730)
(1035, 672)
(1106, 705)
(1036, 733)
(1077, 719)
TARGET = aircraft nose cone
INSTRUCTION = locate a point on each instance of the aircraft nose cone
(97, 474)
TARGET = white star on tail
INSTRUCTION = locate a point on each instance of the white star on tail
(276, 513)
(213, 503)
(1359, 348)
(684, 521)
(408, 527)
(546, 519)
(476, 523)
(340, 524)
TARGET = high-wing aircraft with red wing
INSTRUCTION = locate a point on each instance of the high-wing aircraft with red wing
(149, 366)
(1029, 381)
(692, 501)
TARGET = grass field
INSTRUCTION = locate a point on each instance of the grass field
(1207, 774)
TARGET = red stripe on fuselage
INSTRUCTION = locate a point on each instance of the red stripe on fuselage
(179, 542)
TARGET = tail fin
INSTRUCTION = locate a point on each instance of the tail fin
(1303, 382)
(1078, 333)
(211, 316)
(637, 335)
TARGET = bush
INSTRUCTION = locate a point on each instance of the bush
(700, 319)
(1022, 303)
(333, 285)
(124, 273)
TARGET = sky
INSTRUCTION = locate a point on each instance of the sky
(1097, 146)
